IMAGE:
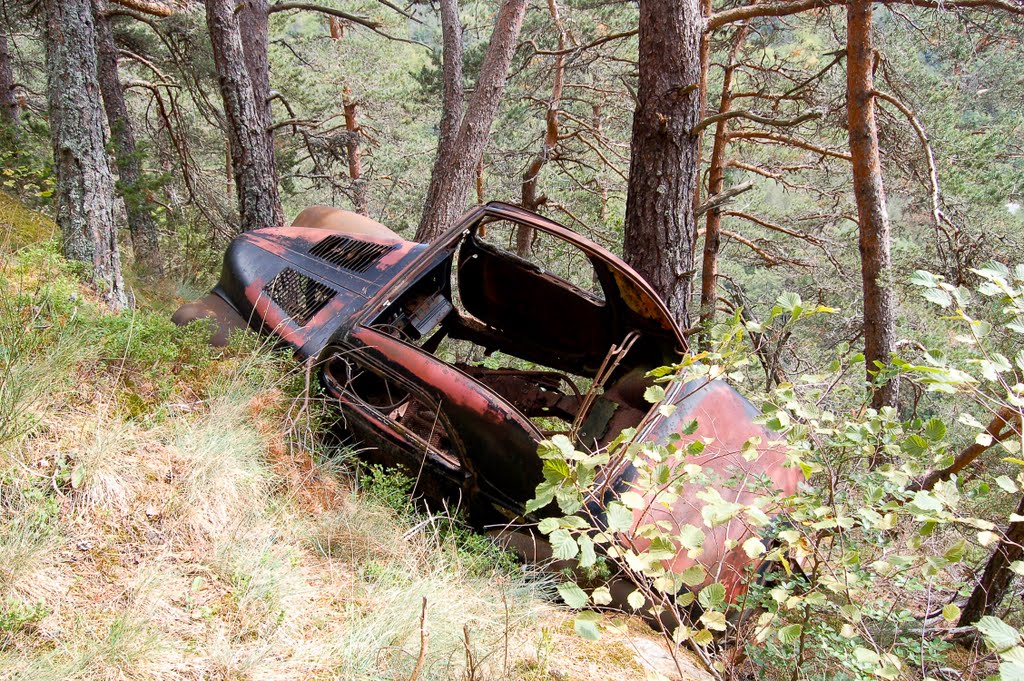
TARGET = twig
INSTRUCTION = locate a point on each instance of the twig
(424, 640)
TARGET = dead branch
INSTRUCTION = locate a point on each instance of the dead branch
(781, 9)
(330, 11)
(933, 174)
(156, 9)
(722, 198)
(791, 141)
(581, 48)
(424, 639)
(1005, 423)
(756, 118)
(768, 258)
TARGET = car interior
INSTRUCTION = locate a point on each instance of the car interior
(545, 342)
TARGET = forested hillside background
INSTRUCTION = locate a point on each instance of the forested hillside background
(790, 175)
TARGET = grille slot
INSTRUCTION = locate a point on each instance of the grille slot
(298, 295)
(351, 254)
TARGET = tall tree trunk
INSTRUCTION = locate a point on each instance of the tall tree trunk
(532, 199)
(872, 214)
(85, 186)
(998, 576)
(453, 171)
(145, 241)
(716, 183)
(452, 48)
(660, 225)
(355, 155)
(246, 108)
(10, 110)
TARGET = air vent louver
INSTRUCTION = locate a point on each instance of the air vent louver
(298, 295)
(353, 255)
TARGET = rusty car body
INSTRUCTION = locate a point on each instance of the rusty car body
(455, 359)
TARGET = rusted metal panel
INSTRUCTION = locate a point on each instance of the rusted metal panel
(725, 420)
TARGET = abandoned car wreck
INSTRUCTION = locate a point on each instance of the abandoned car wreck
(455, 359)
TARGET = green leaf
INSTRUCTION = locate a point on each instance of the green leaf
(585, 625)
(587, 555)
(938, 296)
(999, 636)
(573, 595)
(790, 634)
(691, 537)
(620, 518)
(789, 302)
(693, 575)
(1006, 484)
(951, 613)
(754, 547)
(77, 476)
(654, 393)
(563, 544)
(714, 620)
(548, 525)
(601, 595)
(632, 500)
(636, 600)
(923, 278)
(935, 430)
(711, 595)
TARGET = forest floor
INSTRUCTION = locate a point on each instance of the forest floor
(167, 511)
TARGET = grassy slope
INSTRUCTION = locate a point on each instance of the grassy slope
(165, 512)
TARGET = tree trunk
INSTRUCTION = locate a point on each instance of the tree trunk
(10, 110)
(532, 199)
(85, 186)
(998, 576)
(246, 110)
(145, 241)
(660, 225)
(452, 48)
(453, 170)
(716, 183)
(355, 156)
(872, 214)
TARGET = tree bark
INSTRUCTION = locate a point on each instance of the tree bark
(355, 156)
(246, 109)
(869, 191)
(998, 576)
(10, 110)
(452, 48)
(145, 240)
(85, 187)
(456, 162)
(660, 226)
(531, 198)
(716, 183)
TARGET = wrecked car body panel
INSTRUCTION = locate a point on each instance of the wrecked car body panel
(455, 359)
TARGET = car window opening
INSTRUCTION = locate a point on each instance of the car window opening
(510, 351)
